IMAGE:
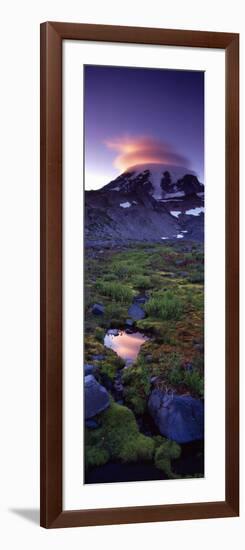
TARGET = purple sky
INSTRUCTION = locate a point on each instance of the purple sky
(141, 115)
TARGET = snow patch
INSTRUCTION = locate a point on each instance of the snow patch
(175, 213)
(174, 195)
(179, 236)
(184, 231)
(195, 211)
(125, 204)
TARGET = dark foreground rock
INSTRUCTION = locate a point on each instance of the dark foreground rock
(96, 397)
(136, 312)
(89, 369)
(178, 417)
(98, 309)
(91, 424)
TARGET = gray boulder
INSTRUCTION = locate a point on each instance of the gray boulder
(89, 369)
(96, 397)
(178, 417)
(98, 309)
(140, 299)
(136, 312)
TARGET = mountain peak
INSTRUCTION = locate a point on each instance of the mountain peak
(158, 167)
(160, 181)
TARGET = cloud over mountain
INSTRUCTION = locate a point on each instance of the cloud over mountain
(135, 150)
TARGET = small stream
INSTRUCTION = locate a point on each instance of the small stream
(126, 345)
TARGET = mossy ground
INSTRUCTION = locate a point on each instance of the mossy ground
(172, 278)
(118, 438)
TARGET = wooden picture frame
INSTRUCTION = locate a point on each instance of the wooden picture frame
(52, 35)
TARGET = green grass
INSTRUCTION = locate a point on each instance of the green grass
(123, 269)
(166, 307)
(110, 366)
(195, 381)
(116, 291)
(196, 277)
(136, 386)
(174, 373)
(141, 282)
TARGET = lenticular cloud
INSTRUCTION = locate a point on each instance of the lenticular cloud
(142, 150)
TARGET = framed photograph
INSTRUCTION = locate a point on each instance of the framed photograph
(139, 275)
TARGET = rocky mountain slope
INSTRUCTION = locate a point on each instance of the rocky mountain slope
(146, 203)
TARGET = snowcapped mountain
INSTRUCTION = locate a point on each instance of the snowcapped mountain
(162, 181)
(149, 202)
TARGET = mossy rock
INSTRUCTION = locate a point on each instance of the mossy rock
(165, 452)
(95, 456)
(117, 438)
